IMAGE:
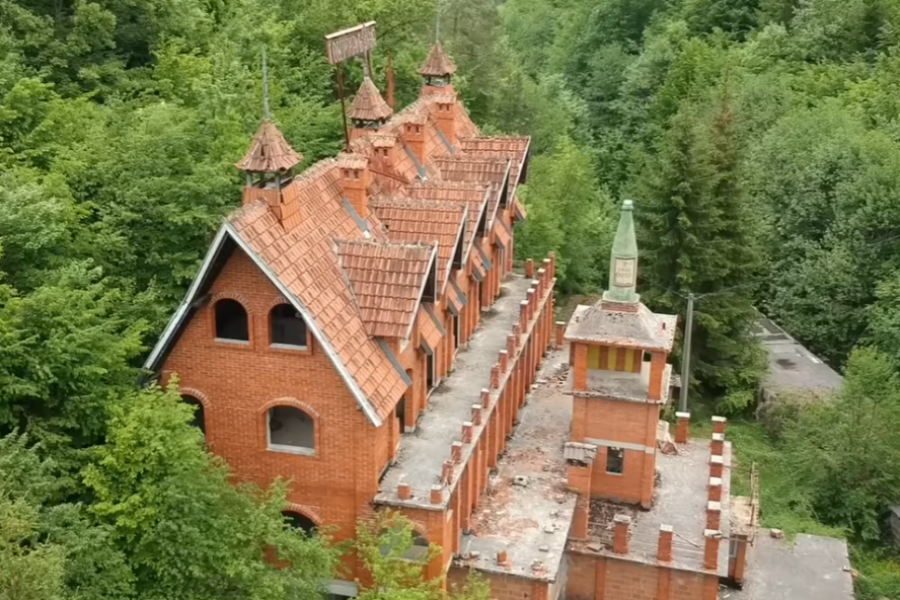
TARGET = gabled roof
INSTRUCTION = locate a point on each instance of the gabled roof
(368, 105)
(474, 195)
(387, 280)
(514, 148)
(474, 169)
(408, 220)
(304, 251)
(269, 152)
(438, 64)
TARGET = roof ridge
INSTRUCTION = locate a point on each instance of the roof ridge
(414, 203)
(449, 184)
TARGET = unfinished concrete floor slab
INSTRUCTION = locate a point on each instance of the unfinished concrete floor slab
(422, 452)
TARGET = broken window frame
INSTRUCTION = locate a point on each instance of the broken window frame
(290, 448)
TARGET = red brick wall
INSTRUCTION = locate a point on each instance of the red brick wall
(237, 385)
(503, 587)
(606, 578)
(628, 423)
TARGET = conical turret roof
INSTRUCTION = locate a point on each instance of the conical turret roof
(438, 64)
(269, 152)
(368, 105)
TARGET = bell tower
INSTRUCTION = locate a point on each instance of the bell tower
(620, 377)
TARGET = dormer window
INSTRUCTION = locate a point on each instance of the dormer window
(231, 322)
(287, 327)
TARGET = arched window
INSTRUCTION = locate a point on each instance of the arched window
(286, 326)
(389, 544)
(298, 521)
(291, 430)
(231, 321)
(199, 420)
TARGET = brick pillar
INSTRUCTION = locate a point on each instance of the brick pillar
(530, 301)
(713, 515)
(495, 377)
(523, 317)
(529, 268)
(736, 565)
(579, 355)
(716, 466)
(682, 424)
(456, 452)
(436, 495)
(560, 333)
(715, 489)
(711, 549)
(504, 361)
(719, 424)
(717, 446)
(476, 414)
(620, 533)
(404, 491)
(664, 549)
(578, 480)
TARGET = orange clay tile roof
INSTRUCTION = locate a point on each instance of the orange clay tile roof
(474, 195)
(428, 328)
(387, 280)
(368, 105)
(438, 64)
(301, 255)
(425, 222)
(514, 148)
(483, 170)
(269, 152)
(300, 252)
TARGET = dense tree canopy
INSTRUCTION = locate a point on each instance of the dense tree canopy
(759, 140)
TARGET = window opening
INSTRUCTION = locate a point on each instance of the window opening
(455, 332)
(429, 368)
(418, 551)
(291, 429)
(615, 460)
(401, 414)
(231, 321)
(298, 521)
(199, 420)
(286, 326)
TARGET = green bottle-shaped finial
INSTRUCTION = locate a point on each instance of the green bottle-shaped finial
(623, 260)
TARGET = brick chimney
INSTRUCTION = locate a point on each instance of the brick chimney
(355, 179)
(444, 114)
(413, 135)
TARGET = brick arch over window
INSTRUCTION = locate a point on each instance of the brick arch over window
(201, 416)
(306, 513)
(232, 296)
(309, 446)
(231, 320)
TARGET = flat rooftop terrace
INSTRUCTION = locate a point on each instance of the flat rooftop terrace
(680, 500)
(421, 454)
(808, 568)
(527, 510)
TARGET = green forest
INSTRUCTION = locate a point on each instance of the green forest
(759, 140)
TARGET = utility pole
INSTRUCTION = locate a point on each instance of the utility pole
(686, 355)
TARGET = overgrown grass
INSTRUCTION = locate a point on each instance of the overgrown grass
(784, 506)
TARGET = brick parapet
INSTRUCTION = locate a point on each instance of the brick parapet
(506, 395)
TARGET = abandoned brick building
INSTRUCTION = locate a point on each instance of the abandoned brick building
(357, 329)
